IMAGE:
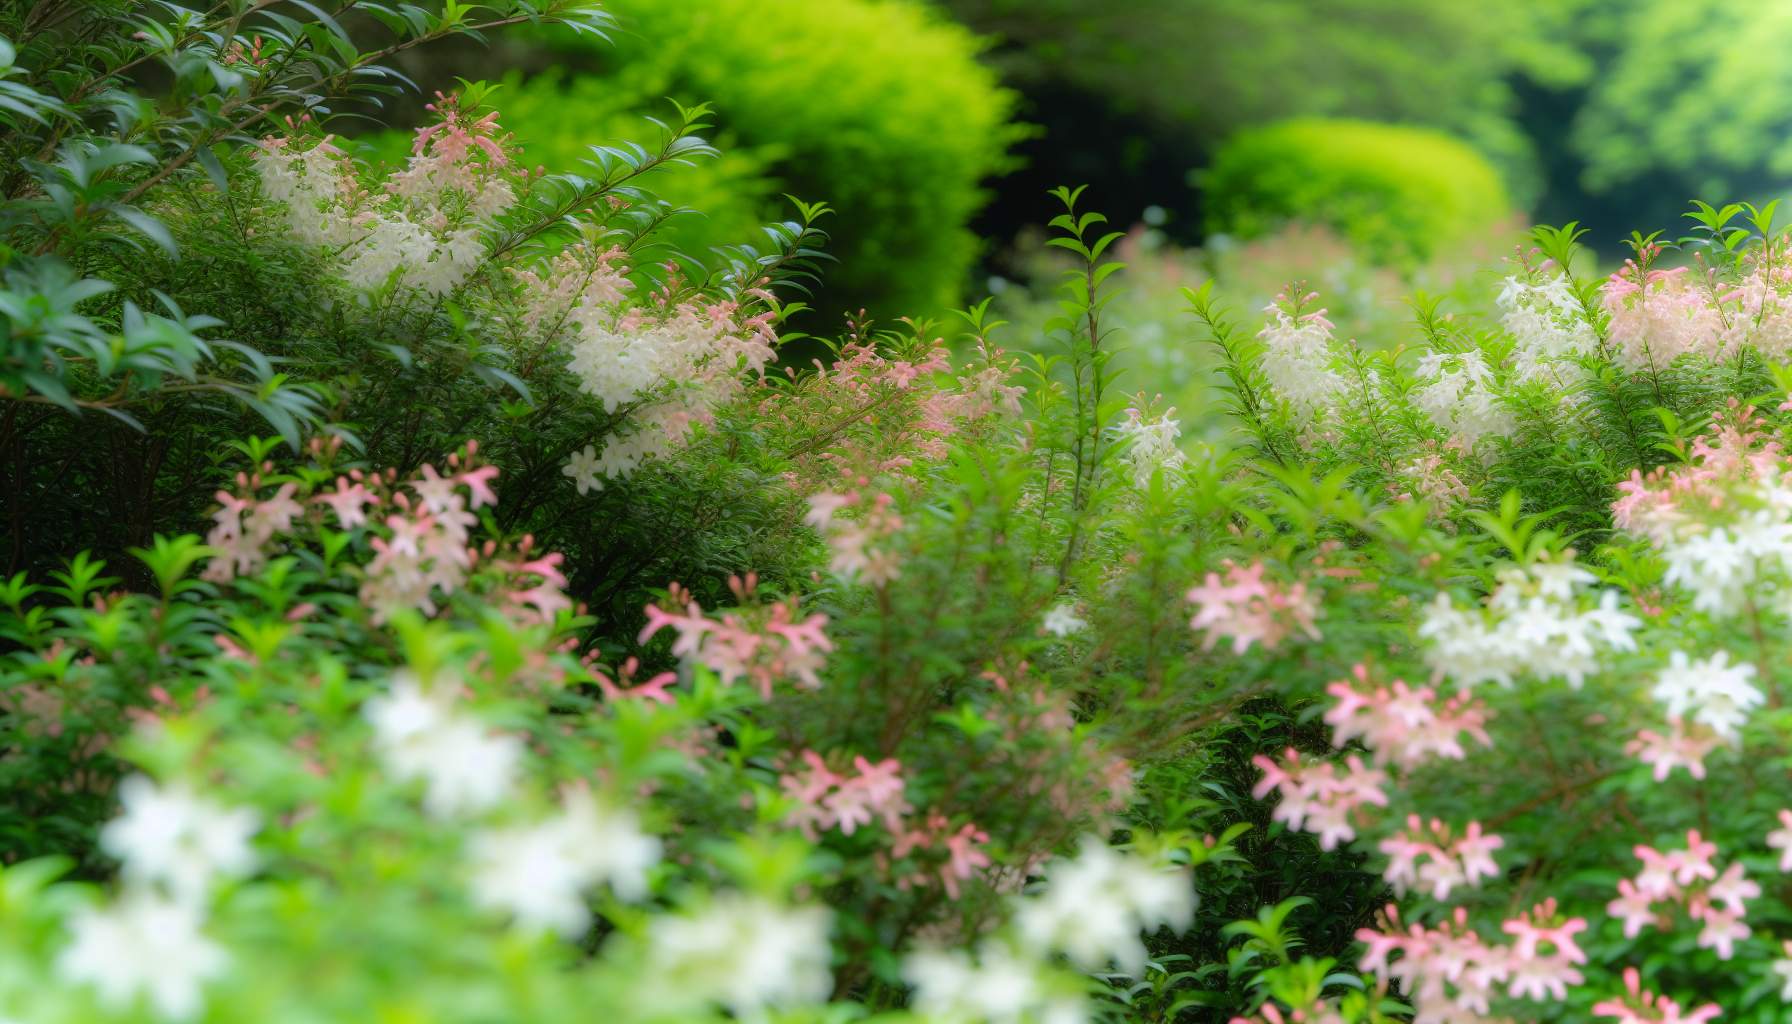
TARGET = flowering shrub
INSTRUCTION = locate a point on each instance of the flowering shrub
(988, 694)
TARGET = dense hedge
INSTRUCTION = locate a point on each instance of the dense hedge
(877, 107)
(1401, 193)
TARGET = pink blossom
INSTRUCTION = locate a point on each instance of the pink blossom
(1640, 1007)
(1781, 839)
(1680, 748)
(1316, 797)
(1403, 724)
(1246, 608)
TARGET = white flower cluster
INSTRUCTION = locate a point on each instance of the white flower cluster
(1724, 565)
(745, 952)
(538, 872)
(1711, 692)
(1151, 445)
(1537, 622)
(1297, 359)
(422, 736)
(1458, 398)
(667, 373)
(1548, 325)
(1091, 909)
(1061, 620)
(148, 943)
(998, 985)
(421, 229)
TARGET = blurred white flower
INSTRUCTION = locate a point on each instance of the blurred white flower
(169, 835)
(1534, 623)
(1094, 906)
(1711, 692)
(999, 987)
(1297, 361)
(539, 873)
(465, 769)
(583, 467)
(144, 944)
(1062, 620)
(745, 952)
(1152, 446)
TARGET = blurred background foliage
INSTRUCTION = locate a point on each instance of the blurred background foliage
(935, 127)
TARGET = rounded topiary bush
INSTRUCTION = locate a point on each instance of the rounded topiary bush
(1400, 193)
(877, 107)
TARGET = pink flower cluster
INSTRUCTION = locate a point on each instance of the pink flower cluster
(1451, 974)
(1684, 745)
(1668, 501)
(1402, 724)
(1688, 878)
(1659, 315)
(858, 543)
(960, 852)
(244, 525)
(873, 412)
(1429, 478)
(763, 643)
(1246, 608)
(1639, 1007)
(1426, 855)
(418, 529)
(827, 799)
(1316, 797)
(1781, 839)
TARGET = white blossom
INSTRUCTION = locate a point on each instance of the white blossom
(1298, 363)
(1460, 399)
(744, 952)
(1152, 445)
(1548, 325)
(583, 467)
(538, 873)
(142, 945)
(1534, 623)
(998, 987)
(1094, 906)
(1711, 692)
(170, 836)
(421, 736)
(1062, 620)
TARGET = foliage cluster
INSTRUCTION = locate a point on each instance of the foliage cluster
(880, 108)
(1400, 194)
(499, 631)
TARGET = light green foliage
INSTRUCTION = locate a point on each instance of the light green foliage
(1401, 193)
(1205, 68)
(878, 107)
(1700, 90)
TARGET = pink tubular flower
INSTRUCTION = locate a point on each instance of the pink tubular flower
(1247, 609)
(1316, 798)
(858, 544)
(875, 792)
(1544, 956)
(1781, 839)
(1688, 877)
(963, 857)
(1639, 1007)
(760, 642)
(1425, 855)
(1403, 724)
(1682, 747)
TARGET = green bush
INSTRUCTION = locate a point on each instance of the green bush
(1400, 193)
(877, 107)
